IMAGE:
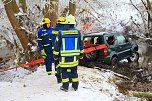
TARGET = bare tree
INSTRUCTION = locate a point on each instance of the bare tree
(22, 3)
(15, 24)
(15, 7)
(51, 11)
(72, 7)
(147, 5)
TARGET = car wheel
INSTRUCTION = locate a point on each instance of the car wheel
(114, 62)
(134, 57)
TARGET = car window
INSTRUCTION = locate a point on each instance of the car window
(121, 39)
(98, 40)
(94, 40)
(87, 40)
(110, 40)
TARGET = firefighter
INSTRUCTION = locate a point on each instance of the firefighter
(45, 44)
(59, 26)
(68, 49)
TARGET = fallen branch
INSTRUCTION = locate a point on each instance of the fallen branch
(140, 94)
(121, 76)
(116, 74)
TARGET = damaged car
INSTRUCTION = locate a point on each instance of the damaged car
(109, 48)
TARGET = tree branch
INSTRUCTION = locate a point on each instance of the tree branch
(144, 5)
(144, 20)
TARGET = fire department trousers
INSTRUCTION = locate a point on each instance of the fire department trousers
(66, 76)
(57, 71)
(48, 59)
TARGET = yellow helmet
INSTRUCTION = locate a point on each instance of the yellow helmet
(70, 19)
(61, 20)
(45, 20)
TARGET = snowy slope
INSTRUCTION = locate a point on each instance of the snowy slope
(94, 86)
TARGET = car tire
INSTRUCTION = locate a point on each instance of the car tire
(114, 62)
(134, 57)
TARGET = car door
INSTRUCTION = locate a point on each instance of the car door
(123, 47)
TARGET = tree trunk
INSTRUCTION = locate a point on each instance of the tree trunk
(65, 11)
(46, 12)
(13, 6)
(51, 11)
(54, 13)
(72, 7)
(22, 3)
(15, 24)
(149, 8)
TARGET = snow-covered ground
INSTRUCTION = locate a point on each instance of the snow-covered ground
(94, 85)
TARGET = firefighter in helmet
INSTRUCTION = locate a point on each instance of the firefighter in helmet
(59, 26)
(68, 50)
(45, 43)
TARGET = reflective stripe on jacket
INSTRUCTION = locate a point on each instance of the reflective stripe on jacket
(44, 38)
(68, 47)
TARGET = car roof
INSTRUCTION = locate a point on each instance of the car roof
(100, 34)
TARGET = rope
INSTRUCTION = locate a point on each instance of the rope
(86, 50)
(25, 65)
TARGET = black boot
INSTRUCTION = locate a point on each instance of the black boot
(75, 85)
(59, 80)
(75, 88)
(64, 89)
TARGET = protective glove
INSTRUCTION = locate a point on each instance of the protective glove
(44, 55)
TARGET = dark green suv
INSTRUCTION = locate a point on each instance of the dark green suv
(118, 47)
